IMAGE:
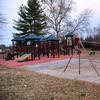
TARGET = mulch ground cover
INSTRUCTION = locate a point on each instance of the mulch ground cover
(14, 63)
(18, 84)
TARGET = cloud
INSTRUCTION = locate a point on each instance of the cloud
(91, 4)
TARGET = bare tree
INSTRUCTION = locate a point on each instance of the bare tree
(97, 35)
(57, 13)
(59, 20)
(80, 24)
(2, 22)
(97, 29)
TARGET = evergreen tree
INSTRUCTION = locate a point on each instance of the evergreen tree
(31, 19)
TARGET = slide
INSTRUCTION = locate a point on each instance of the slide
(23, 57)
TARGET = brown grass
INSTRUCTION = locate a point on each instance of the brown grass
(18, 84)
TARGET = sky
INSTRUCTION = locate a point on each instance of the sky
(94, 5)
(9, 9)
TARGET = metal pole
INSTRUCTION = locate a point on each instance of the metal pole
(90, 60)
(32, 51)
(39, 46)
(79, 63)
(13, 49)
(68, 63)
(58, 49)
(53, 48)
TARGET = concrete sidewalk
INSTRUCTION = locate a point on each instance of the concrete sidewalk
(56, 68)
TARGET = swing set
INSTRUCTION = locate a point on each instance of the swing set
(75, 44)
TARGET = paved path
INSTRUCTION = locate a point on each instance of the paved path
(55, 68)
(51, 65)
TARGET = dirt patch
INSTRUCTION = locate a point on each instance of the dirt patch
(17, 84)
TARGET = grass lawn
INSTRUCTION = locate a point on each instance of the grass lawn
(18, 84)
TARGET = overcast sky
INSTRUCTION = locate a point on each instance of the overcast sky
(9, 9)
(94, 5)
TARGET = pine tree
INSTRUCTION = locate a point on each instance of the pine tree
(31, 19)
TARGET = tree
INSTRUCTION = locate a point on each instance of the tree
(2, 22)
(80, 24)
(97, 35)
(31, 19)
(89, 38)
(57, 13)
(2, 19)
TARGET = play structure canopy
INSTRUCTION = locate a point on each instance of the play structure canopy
(19, 39)
(69, 35)
(52, 38)
(33, 37)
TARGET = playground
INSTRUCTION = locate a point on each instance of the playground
(55, 67)
(63, 72)
(66, 59)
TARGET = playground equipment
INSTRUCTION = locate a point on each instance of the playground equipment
(37, 46)
(23, 58)
(75, 44)
(52, 45)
